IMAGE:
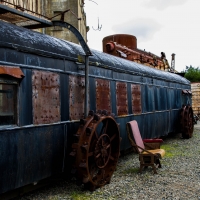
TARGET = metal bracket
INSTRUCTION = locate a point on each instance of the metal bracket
(76, 33)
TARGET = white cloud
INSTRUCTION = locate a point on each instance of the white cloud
(171, 26)
(163, 4)
(142, 28)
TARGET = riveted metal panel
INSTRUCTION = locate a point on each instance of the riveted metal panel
(103, 97)
(46, 98)
(122, 102)
(136, 99)
(77, 94)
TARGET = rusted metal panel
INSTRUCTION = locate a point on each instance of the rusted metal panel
(77, 94)
(125, 46)
(136, 99)
(103, 97)
(46, 97)
(121, 95)
(195, 87)
(12, 71)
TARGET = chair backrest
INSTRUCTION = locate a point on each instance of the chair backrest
(134, 134)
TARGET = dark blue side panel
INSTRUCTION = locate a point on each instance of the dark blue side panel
(30, 155)
(174, 120)
(14, 57)
(25, 99)
(148, 99)
(2, 54)
(161, 124)
(92, 91)
(125, 144)
(148, 126)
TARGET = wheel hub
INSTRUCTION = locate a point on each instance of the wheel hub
(102, 151)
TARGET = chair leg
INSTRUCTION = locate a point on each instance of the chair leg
(153, 162)
(158, 163)
(141, 168)
(154, 169)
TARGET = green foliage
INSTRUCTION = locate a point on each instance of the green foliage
(192, 74)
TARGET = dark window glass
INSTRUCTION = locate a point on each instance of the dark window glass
(8, 102)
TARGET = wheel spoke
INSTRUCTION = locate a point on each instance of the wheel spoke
(113, 137)
(107, 146)
(98, 155)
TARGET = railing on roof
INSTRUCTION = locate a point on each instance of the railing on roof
(31, 6)
(26, 13)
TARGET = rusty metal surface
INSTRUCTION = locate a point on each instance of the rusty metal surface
(129, 41)
(195, 87)
(121, 96)
(136, 98)
(125, 46)
(12, 71)
(46, 97)
(96, 149)
(103, 99)
(186, 121)
(77, 94)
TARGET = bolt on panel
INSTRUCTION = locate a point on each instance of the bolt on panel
(103, 96)
(136, 99)
(46, 97)
(77, 96)
(121, 95)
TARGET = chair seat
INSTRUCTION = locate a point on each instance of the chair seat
(161, 152)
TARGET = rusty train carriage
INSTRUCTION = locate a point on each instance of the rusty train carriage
(41, 102)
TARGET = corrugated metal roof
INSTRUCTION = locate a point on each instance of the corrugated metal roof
(46, 44)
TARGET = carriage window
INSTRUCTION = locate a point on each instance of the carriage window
(8, 100)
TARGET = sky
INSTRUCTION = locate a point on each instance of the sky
(170, 26)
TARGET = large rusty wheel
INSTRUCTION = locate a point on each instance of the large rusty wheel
(97, 149)
(187, 123)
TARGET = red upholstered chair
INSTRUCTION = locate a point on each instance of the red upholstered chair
(149, 149)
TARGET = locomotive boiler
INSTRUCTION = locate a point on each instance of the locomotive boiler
(43, 130)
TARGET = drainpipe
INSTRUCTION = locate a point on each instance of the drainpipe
(86, 86)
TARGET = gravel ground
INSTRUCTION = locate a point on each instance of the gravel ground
(179, 177)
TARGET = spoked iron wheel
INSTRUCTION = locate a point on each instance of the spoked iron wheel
(187, 121)
(97, 149)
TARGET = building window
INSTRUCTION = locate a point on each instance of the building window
(8, 104)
